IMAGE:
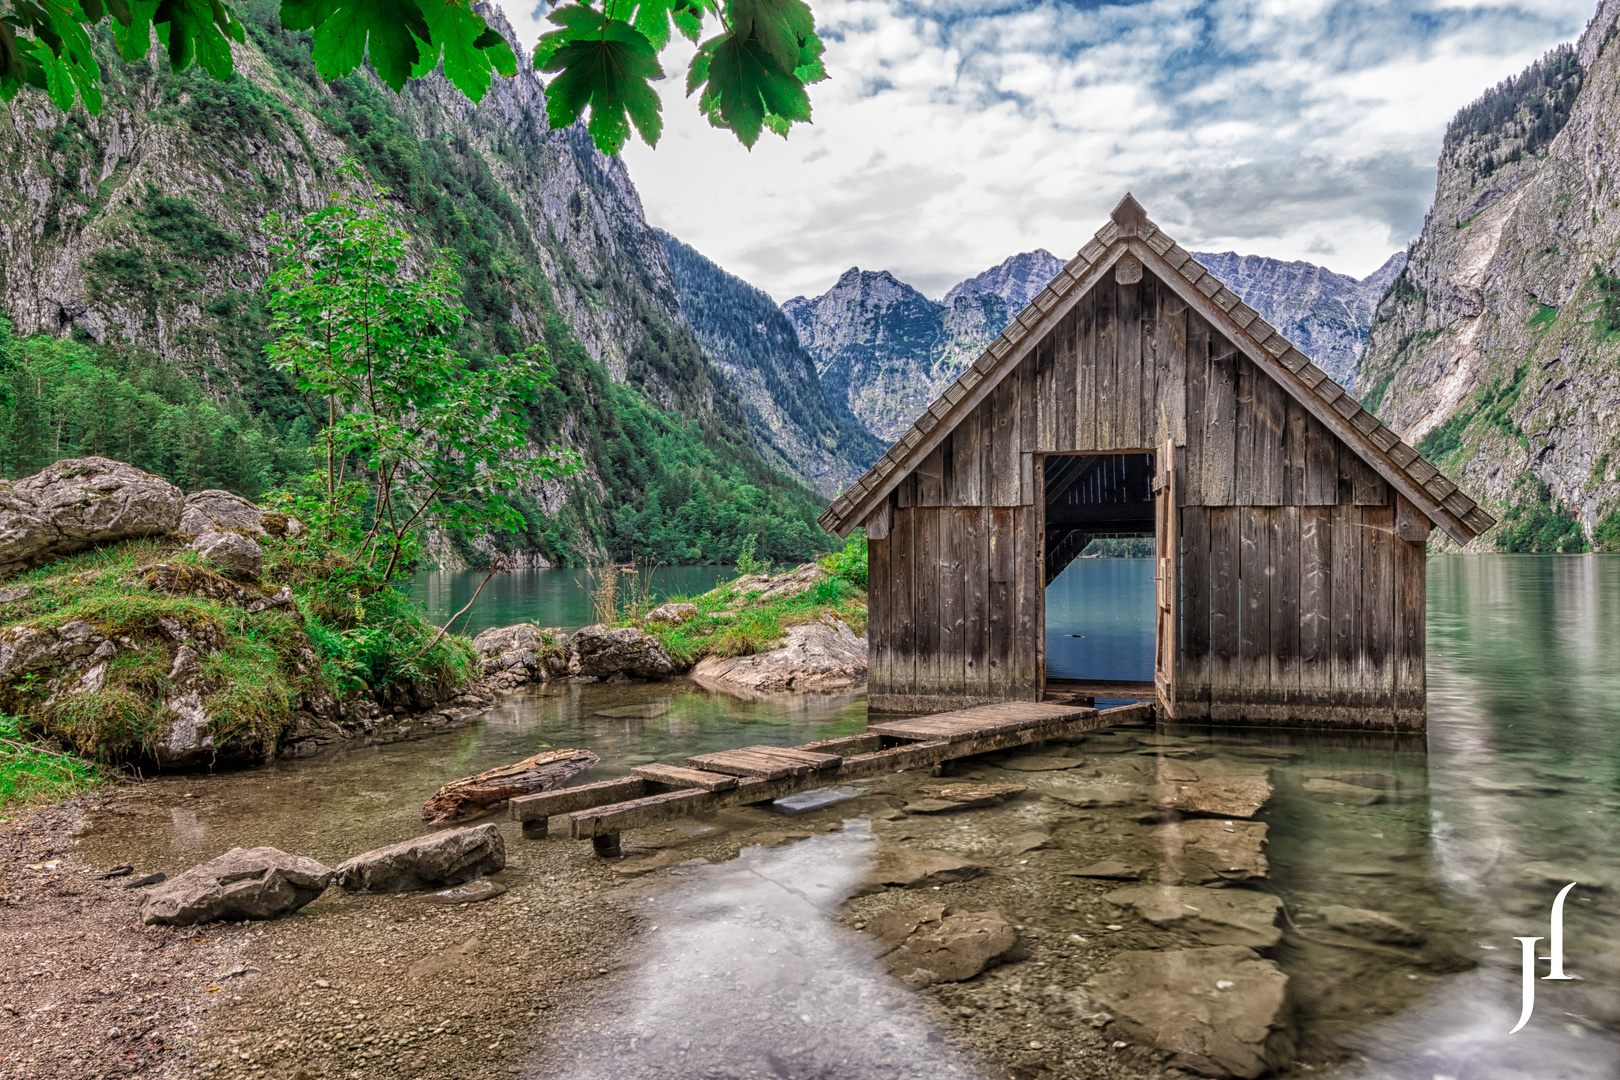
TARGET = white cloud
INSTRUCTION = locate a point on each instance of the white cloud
(953, 134)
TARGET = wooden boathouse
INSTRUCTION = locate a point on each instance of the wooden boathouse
(1138, 396)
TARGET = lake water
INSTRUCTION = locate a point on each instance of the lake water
(560, 596)
(1514, 793)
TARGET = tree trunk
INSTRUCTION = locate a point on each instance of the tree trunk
(473, 796)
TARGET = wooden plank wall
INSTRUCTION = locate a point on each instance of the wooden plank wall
(1300, 603)
(973, 577)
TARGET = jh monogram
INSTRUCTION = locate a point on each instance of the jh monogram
(1556, 959)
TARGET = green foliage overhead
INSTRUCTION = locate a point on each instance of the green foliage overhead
(603, 56)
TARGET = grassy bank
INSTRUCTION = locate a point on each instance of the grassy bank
(31, 773)
(343, 636)
(736, 619)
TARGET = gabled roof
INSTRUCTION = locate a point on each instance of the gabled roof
(1130, 232)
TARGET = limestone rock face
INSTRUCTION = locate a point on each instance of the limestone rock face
(79, 503)
(1502, 289)
(821, 655)
(231, 554)
(220, 511)
(427, 862)
(1220, 1011)
(602, 652)
(252, 883)
(765, 587)
(1215, 916)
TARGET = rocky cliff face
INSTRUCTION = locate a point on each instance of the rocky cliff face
(148, 229)
(888, 351)
(1326, 315)
(799, 430)
(1497, 350)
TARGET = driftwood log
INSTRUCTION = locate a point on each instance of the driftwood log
(472, 796)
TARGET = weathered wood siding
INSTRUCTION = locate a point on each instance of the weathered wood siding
(1300, 602)
(956, 608)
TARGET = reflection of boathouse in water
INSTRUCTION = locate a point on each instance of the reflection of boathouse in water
(1138, 396)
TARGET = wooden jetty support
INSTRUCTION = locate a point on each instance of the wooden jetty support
(753, 774)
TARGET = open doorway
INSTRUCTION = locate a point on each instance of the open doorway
(1101, 601)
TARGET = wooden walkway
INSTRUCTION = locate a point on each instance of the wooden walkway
(753, 774)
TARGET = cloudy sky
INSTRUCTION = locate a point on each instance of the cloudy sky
(954, 133)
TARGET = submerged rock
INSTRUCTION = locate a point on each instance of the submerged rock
(1370, 925)
(1214, 916)
(1336, 791)
(1220, 1011)
(1114, 869)
(601, 652)
(1201, 850)
(231, 554)
(427, 862)
(251, 883)
(939, 798)
(821, 655)
(949, 949)
(1219, 788)
(475, 891)
(78, 503)
(922, 869)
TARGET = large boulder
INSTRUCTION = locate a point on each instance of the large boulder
(77, 504)
(602, 652)
(524, 649)
(1220, 1011)
(252, 883)
(427, 862)
(231, 554)
(220, 511)
(762, 588)
(820, 655)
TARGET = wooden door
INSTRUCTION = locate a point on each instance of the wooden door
(1167, 576)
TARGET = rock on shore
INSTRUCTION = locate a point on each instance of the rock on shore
(426, 862)
(77, 504)
(821, 655)
(251, 883)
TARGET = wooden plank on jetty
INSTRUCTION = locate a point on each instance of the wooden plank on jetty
(657, 793)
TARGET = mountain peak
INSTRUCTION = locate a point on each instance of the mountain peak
(1015, 279)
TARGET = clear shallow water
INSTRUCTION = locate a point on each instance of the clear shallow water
(1514, 792)
(560, 596)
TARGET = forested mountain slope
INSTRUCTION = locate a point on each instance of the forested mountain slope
(143, 234)
(1497, 350)
(798, 429)
(887, 351)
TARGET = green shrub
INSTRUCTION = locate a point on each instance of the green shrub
(1545, 316)
(1536, 525)
(850, 563)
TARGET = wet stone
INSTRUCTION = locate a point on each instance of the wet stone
(939, 798)
(922, 869)
(1336, 791)
(1220, 788)
(951, 949)
(441, 858)
(1040, 763)
(1219, 1011)
(1108, 869)
(1203, 850)
(1370, 925)
(1214, 916)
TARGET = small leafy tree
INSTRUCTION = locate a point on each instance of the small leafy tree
(410, 434)
(752, 73)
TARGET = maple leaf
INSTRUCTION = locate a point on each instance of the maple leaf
(606, 64)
